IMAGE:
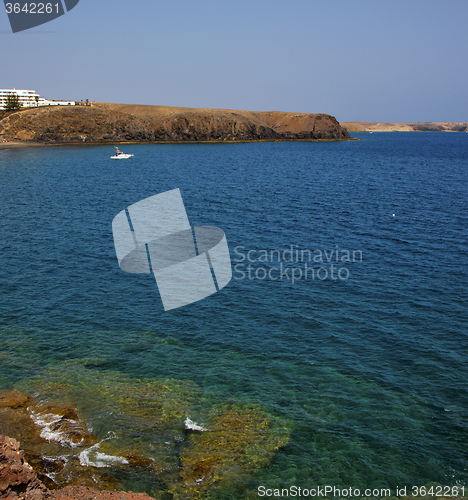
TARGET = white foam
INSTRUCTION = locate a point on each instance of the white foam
(94, 458)
(193, 426)
(46, 421)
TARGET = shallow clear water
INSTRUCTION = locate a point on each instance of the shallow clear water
(368, 374)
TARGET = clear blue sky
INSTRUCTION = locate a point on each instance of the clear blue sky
(376, 60)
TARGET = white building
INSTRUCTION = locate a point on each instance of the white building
(29, 99)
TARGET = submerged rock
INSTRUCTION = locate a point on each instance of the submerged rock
(132, 417)
(16, 421)
(45, 468)
(61, 424)
(239, 440)
(163, 432)
(14, 399)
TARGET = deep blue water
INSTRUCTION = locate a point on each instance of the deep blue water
(369, 372)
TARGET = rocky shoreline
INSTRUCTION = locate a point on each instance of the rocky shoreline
(37, 468)
(49, 452)
(18, 480)
(104, 123)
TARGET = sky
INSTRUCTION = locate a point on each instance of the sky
(361, 60)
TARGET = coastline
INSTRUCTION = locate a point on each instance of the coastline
(406, 127)
(107, 123)
(28, 144)
(59, 450)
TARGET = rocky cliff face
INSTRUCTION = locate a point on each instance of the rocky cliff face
(17, 477)
(104, 123)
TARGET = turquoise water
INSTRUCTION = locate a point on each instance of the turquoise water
(367, 375)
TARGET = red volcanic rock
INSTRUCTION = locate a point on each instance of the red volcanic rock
(17, 477)
(19, 481)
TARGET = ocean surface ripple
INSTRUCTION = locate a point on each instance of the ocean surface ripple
(369, 372)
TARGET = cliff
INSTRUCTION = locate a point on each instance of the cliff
(106, 123)
(405, 127)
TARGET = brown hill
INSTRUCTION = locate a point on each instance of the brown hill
(405, 127)
(103, 122)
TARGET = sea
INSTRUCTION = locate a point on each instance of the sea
(336, 355)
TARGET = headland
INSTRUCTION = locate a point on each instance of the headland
(100, 123)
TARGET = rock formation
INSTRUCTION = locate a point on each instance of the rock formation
(17, 477)
(179, 458)
(19, 481)
(106, 123)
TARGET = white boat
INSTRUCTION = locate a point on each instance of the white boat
(119, 155)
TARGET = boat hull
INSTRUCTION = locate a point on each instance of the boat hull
(121, 157)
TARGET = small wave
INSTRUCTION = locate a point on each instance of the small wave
(94, 458)
(47, 421)
(193, 426)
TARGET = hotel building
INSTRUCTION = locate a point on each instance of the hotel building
(28, 99)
